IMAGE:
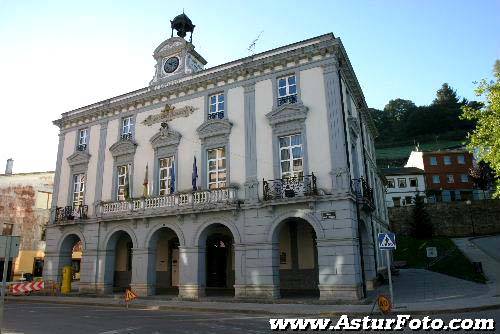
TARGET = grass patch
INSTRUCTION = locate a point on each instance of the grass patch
(451, 261)
(403, 151)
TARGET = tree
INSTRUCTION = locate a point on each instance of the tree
(421, 225)
(399, 109)
(485, 138)
(446, 96)
(482, 176)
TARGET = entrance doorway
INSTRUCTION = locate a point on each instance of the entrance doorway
(299, 276)
(219, 260)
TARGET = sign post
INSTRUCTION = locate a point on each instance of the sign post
(9, 248)
(387, 242)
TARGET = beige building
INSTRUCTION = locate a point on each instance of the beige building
(254, 178)
(25, 200)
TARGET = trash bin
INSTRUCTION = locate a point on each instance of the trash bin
(66, 279)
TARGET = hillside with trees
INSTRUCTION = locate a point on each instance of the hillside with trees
(402, 125)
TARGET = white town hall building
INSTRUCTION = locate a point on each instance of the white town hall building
(255, 178)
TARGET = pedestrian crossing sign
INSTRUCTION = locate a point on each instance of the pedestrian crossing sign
(387, 240)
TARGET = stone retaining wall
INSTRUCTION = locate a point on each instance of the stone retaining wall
(453, 219)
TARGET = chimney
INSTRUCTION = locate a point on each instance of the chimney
(8, 167)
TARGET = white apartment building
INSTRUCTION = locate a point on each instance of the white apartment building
(403, 185)
(254, 178)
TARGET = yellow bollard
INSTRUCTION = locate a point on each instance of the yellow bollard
(66, 279)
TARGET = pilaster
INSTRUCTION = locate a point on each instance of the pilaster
(336, 127)
(191, 272)
(57, 177)
(143, 267)
(251, 181)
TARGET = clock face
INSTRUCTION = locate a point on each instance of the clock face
(171, 64)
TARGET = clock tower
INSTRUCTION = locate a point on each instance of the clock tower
(176, 57)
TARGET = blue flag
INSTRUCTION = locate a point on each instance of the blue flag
(172, 178)
(194, 176)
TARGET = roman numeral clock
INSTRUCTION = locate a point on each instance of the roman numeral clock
(176, 57)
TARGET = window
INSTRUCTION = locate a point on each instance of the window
(413, 182)
(435, 179)
(461, 159)
(166, 175)
(127, 127)
(7, 229)
(216, 168)
(408, 200)
(447, 160)
(433, 161)
(82, 139)
(401, 183)
(123, 183)
(78, 190)
(464, 178)
(449, 178)
(390, 183)
(396, 201)
(216, 106)
(291, 156)
(287, 90)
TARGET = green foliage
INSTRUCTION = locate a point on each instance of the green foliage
(421, 224)
(450, 260)
(402, 122)
(485, 139)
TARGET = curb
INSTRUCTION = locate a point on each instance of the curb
(255, 312)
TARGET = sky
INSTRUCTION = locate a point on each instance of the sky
(56, 56)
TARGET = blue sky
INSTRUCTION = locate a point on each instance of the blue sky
(60, 55)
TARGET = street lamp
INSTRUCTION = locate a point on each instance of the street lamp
(468, 202)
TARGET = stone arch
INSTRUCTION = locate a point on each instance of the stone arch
(120, 228)
(64, 238)
(274, 228)
(203, 228)
(173, 226)
(114, 277)
(295, 255)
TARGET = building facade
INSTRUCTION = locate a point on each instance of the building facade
(447, 173)
(403, 185)
(255, 178)
(25, 201)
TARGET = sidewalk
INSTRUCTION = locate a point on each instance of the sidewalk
(416, 291)
(480, 249)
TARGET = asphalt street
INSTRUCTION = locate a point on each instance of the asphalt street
(34, 318)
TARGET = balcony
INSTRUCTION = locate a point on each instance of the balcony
(216, 115)
(290, 187)
(364, 194)
(178, 203)
(126, 136)
(69, 214)
(290, 99)
(82, 147)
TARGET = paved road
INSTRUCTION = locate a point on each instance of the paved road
(35, 318)
(489, 245)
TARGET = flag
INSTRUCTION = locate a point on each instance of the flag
(145, 191)
(194, 176)
(172, 178)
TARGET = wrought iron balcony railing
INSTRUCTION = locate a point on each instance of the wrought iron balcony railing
(82, 147)
(363, 193)
(69, 213)
(201, 199)
(216, 115)
(289, 187)
(290, 99)
(126, 136)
